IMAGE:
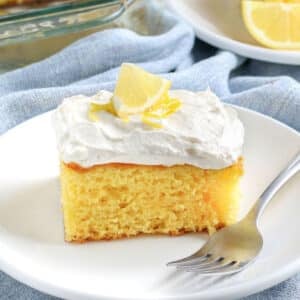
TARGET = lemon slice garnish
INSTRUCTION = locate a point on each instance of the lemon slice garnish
(138, 93)
(137, 90)
(273, 23)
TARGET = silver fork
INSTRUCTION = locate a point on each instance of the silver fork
(232, 248)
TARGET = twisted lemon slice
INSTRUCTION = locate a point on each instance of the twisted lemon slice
(137, 90)
(141, 93)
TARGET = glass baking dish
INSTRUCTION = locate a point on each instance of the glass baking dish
(23, 23)
(29, 34)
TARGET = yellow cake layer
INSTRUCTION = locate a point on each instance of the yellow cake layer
(116, 200)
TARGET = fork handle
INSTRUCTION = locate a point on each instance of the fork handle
(291, 169)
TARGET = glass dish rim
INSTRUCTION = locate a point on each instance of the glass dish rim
(63, 7)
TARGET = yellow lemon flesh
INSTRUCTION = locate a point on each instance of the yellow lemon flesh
(273, 23)
(142, 94)
(137, 90)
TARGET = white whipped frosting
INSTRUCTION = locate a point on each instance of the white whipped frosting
(203, 133)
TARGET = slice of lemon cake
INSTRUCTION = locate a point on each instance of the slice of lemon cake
(147, 160)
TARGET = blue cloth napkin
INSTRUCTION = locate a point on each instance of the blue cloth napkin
(92, 64)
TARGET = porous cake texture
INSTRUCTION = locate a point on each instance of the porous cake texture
(112, 201)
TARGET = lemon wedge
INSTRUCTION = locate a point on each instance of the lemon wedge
(273, 23)
(138, 93)
(137, 90)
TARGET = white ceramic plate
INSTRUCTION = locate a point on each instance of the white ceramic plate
(219, 23)
(33, 251)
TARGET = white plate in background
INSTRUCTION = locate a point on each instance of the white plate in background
(32, 248)
(219, 23)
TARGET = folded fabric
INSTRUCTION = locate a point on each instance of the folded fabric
(92, 64)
